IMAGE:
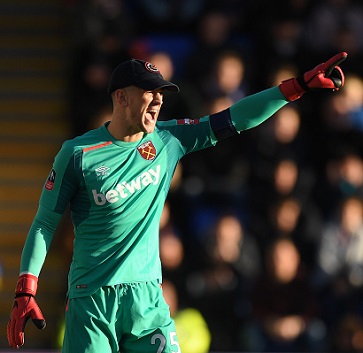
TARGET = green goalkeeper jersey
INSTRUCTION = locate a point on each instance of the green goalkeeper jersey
(116, 191)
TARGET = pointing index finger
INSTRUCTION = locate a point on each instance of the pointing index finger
(334, 61)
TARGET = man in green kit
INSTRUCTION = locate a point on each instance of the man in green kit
(116, 179)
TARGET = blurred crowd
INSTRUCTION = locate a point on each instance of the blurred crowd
(262, 236)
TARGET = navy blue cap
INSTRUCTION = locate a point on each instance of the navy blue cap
(141, 74)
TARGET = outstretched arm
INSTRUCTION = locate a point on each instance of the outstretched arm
(256, 108)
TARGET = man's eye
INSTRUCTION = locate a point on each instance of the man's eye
(154, 92)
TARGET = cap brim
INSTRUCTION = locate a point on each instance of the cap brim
(154, 84)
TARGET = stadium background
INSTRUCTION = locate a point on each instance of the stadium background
(55, 59)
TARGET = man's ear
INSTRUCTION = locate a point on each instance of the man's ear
(120, 97)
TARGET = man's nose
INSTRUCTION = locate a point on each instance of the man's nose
(158, 97)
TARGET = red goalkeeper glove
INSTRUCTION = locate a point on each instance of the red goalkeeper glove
(325, 75)
(24, 307)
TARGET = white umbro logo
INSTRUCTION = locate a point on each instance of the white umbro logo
(102, 171)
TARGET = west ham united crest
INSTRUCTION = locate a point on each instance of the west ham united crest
(147, 151)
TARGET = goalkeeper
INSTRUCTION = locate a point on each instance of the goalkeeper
(116, 180)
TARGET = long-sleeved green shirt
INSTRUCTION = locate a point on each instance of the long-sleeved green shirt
(116, 191)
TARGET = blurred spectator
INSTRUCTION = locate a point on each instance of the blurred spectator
(214, 34)
(340, 251)
(351, 175)
(289, 217)
(231, 243)
(326, 20)
(351, 104)
(193, 332)
(280, 161)
(284, 216)
(343, 113)
(285, 178)
(278, 138)
(187, 103)
(338, 277)
(172, 251)
(285, 316)
(228, 78)
(230, 260)
(343, 178)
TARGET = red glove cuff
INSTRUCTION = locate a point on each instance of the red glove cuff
(291, 89)
(27, 284)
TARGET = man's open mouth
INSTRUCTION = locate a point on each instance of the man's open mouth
(152, 113)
